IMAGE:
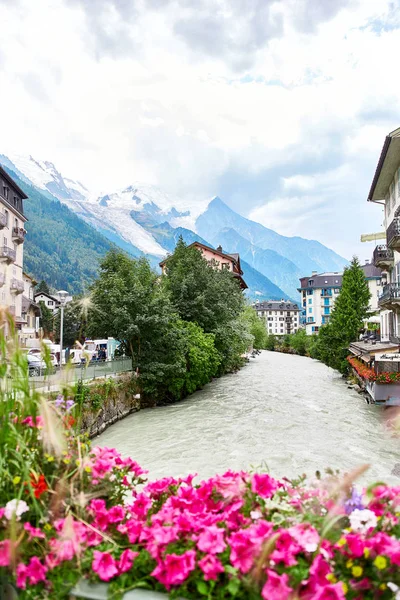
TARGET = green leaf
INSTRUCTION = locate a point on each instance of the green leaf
(202, 588)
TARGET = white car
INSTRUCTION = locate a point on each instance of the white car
(36, 365)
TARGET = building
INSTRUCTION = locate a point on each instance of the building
(219, 259)
(30, 313)
(281, 316)
(318, 295)
(385, 190)
(51, 302)
(12, 222)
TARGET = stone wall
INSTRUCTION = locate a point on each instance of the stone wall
(107, 401)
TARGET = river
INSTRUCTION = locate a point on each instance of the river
(290, 413)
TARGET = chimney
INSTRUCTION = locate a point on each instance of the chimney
(219, 249)
(367, 261)
(314, 273)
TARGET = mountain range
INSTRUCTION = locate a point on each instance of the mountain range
(71, 226)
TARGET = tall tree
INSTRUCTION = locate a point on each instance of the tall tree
(42, 287)
(46, 319)
(75, 323)
(201, 293)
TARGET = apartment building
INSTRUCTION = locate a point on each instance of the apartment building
(12, 236)
(318, 295)
(281, 317)
(217, 258)
(30, 313)
(385, 190)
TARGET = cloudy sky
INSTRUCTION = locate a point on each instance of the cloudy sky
(280, 107)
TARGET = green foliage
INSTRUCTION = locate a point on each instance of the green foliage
(75, 323)
(46, 319)
(350, 310)
(42, 287)
(256, 327)
(199, 292)
(271, 342)
(300, 342)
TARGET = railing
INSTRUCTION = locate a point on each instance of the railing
(18, 234)
(390, 291)
(17, 286)
(393, 233)
(8, 253)
(81, 372)
(3, 220)
(382, 255)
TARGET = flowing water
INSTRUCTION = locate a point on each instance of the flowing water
(289, 412)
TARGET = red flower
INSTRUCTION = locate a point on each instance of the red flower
(39, 485)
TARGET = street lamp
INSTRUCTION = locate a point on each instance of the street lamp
(62, 295)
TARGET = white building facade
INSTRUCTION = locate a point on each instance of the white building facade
(385, 190)
(12, 235)
(281, 317)
(318, 296)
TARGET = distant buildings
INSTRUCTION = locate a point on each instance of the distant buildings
(219, 259)
(319, 293)
(385, 190)
(51, 302)
(30, 312)
(12, 234)
(281, 316)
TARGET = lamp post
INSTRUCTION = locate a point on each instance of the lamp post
(62, 294)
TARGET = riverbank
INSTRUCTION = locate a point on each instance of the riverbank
(289, 412)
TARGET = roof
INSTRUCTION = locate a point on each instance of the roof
(275, 305)
(27, 303)
(321, 280)
(389, 162)
(371, 271)
(11, 181)
(47, 295)
(34, 282)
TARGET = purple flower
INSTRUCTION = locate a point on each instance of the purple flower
(59, 401)
(354, 502)
(69, 404)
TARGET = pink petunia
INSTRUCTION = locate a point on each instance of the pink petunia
(22, 576)
(211, 567)
(329, 592)
(126, 560)
(116, 514)
(211, 540)
(104, 565)
(34, 532)
(35, 571)
(276, 587)
(5, 549)
(175, 568)
(264, 485)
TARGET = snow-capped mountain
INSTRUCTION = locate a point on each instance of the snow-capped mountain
(143, 219)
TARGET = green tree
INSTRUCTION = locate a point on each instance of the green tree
(256, 327)
(46, 319)
(129, 304)
(271, 342)
(201, 293)
(347, 318)
(42, 287)
(300, 342)
(75, 323)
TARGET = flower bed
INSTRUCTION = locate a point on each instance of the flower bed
(369, 374)
(69, 511)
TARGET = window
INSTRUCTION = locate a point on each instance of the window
(310, 301)
(310, 320)
(326, 310)
(226, 266)
(337, 290)
(270, 312)
(5, 240)
(281, 312)
(311, 282)
(326, 301)
(310, 292)
(270, 318)
(310, 310)
(7, 217)
(5, 192)
(50, 303)
(281, 318)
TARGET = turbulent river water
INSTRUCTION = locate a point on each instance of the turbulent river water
(290, 413)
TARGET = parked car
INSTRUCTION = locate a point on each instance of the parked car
(36, 365)
(38, 352)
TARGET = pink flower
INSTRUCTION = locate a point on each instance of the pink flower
(306, 536)
(276, 587)
(286, 549)
(35, 571)
(211, 567)
(211, 540)
(175, 568)
(329, 592)
(104, 565)
(132, 529)
(5, 553)
(21, 576)
(116, 514)
(126, 560)
(243, 550)
(34, 532)
(264, 485)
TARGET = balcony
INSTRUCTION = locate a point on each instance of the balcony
(17, 286)
(18, 235)
(390, 295)
(393, 234)
(3, 220)
(7, 254)
(383, 257)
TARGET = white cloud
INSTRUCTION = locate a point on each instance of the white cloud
(289, 111)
